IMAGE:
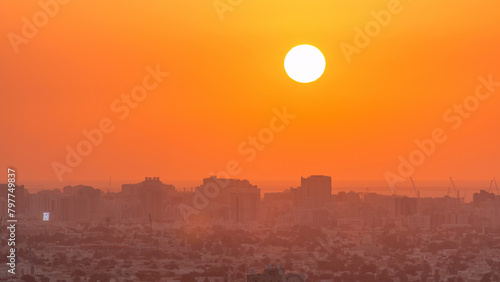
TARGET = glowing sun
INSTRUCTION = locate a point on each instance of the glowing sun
(305, 63)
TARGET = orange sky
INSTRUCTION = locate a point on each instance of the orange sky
(226, 77)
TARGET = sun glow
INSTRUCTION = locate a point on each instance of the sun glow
(305, 63)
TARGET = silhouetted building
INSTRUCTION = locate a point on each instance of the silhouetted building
(314, 191)
(405, 206)
(81, 203)
(45, 201)
(276, 205)
(231, 199)
(150, 196)
(350, 197)
(310, 200)
(311, 217)
(419, 221)
(482, 196)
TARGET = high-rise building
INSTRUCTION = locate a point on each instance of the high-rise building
(275, 205)
(311, 199)
(150, 196)
(315, 190)
(481, 197)
(310, 217)
(405, 206)
(233, 200)
(45, 201)
(81, 203)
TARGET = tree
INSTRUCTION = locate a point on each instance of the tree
(368, 268)
(148, 275)
(188, 278)
(78, 273)
(28, 278)
(436, 275)
(486, 277)
(424, 276)
(101, 277)
(266, 260)
(242, 267)
(402, 276)
(384, 276)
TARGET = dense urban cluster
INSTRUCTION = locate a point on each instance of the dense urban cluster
(226, 230)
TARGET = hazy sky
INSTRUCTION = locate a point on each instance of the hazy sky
(226, 77)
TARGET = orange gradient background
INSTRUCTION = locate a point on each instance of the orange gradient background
(227, 76)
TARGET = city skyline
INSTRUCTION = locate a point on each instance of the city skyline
(153, 196)
(428, 188)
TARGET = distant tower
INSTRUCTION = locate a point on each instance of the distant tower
(229, 275)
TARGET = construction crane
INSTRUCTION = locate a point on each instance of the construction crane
(454, 189)
(417, 193)
(496, 187)
(109, 185)
(491, 185)
(393, 189)
(412, 185)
